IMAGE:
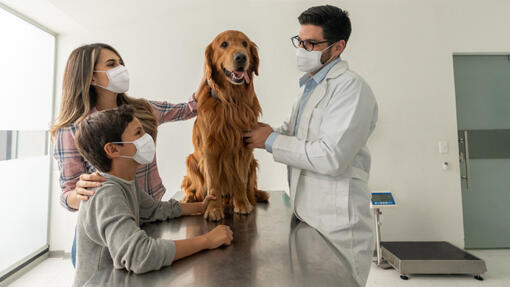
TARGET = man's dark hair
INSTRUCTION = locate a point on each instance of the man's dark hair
(100, 128)
(334, 21)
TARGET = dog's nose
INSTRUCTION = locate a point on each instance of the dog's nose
(240, 58)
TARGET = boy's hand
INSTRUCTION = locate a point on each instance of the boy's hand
(206, 202)
(196, 208)
(221, 235)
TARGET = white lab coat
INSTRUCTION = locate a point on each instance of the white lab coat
(328, 164)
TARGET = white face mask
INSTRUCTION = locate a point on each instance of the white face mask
(118, 79)
(145, 149)
(310, 61)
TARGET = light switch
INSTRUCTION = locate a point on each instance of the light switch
(443, 147)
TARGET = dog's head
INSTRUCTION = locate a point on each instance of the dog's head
(231, 58)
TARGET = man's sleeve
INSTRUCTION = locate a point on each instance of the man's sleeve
(347, 124)
(270, 141)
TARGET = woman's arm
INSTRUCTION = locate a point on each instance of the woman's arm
(71, 166)
(167, 112)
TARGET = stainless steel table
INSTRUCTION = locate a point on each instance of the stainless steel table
(271, 247)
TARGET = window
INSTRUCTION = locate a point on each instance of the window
(27, 57)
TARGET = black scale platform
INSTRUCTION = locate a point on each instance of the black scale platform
(426, 257)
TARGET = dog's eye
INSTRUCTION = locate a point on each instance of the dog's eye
(224, 44)
(245, 44)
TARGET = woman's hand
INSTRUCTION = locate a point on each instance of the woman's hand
(80, 192)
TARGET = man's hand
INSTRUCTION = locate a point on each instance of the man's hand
(257, 137)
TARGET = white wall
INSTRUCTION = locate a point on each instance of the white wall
(402, 48)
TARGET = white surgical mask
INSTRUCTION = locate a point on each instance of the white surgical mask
(118, 79)
(309, 61)
(145, 149)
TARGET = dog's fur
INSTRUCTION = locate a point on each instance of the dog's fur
(221, 164)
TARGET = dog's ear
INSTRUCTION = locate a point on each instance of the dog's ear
(209, 67)
(254, 61)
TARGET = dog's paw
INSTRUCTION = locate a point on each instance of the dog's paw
(261, 196)
(243, 208)
(214, 213)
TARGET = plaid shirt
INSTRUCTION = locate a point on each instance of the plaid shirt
(71, 164)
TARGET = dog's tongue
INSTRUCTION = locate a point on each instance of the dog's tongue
(246, 77)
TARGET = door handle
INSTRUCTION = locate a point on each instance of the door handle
(467, 162)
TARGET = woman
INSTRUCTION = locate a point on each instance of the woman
(96, 79)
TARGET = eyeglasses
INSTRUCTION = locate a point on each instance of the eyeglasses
(306, 44)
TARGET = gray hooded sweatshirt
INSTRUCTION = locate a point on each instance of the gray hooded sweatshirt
(108, 230)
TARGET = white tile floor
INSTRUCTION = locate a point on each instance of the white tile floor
(56, 272)
(53, 272)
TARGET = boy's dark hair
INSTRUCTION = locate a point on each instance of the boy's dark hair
(334, 21)
(98, 129)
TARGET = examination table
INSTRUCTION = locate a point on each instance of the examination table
(271, 247)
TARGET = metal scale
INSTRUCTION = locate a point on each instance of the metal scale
(420, 257)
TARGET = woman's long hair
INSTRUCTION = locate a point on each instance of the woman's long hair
(78, 98)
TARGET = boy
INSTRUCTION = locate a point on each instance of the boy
(108, 227)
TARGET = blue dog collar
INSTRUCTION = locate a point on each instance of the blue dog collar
(213, 94)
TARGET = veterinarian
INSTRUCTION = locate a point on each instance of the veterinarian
(323, 143)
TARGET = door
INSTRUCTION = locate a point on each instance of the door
(482, 89)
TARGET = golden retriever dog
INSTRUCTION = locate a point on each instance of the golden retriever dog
(221, 164)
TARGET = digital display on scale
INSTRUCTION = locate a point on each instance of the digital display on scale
(378, 197)
(381, 199)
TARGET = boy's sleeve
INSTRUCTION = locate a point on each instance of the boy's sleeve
(152, 210)
(110, 222)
